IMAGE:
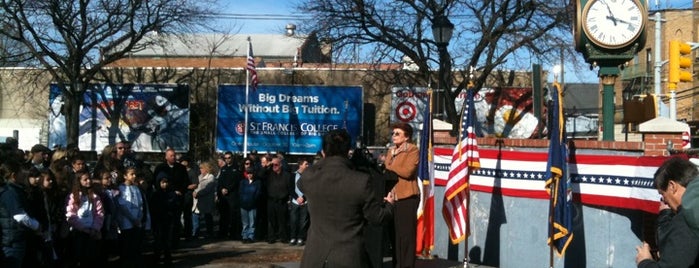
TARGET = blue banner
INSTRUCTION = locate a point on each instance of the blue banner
(289, 119)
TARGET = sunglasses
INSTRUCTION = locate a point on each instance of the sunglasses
(396, 133)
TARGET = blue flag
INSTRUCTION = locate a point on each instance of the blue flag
(558, 182)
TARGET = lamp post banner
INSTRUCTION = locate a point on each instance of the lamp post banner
(290, 119)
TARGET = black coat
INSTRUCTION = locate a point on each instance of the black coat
(177, 175)
(678, 246)
(341, 200)
(12, 202)
(229, 179)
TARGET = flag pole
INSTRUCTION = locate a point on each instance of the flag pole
(468, 189)
(554, 192)
(247, 103)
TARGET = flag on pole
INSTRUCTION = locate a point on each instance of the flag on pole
(558, 183)
(465, 158)
(251, 67)
(425, 175)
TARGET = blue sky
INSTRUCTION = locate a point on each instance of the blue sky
(271, 16)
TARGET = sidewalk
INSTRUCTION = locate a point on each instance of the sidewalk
(214, 253)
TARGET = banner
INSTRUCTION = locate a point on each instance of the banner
(289, 119)
(152, 117)
(503, 112)
(604, 180)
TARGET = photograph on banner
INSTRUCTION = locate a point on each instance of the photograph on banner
(153, 117)
(500, 112)
(289, 119)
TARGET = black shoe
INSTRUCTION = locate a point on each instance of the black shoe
(271, 241)
(246, 241)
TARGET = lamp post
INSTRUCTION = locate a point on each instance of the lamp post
(442, 29)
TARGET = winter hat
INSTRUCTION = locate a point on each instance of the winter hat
(161, 176)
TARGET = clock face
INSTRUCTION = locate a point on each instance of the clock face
(613, 23)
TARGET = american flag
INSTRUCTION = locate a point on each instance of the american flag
(425, 173)
(251, 67)
(465, 158)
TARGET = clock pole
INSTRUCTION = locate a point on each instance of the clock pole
(608, 76)
(609, 34)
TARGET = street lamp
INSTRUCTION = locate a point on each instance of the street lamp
(442, 29)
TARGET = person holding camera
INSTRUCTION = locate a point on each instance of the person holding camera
(341, 202)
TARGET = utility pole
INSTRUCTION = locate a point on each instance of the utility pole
(658, 60)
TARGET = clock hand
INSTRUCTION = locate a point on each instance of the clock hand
(613, 19)
(623, 21)
(609, 10)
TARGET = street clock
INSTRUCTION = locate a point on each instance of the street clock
(609, 32)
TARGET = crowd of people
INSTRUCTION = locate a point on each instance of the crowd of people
(58, 211)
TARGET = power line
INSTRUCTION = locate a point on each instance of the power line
(236, 16)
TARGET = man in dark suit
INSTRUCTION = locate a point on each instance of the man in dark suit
(228, 203)
(340, 201)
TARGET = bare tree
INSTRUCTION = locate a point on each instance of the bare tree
(70, 38)
(488, 35)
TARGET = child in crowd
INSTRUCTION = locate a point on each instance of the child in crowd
(163, 204)
(249, 191)
(204, 200)
(37, 208)
(133, 218)
(108, 193)
(85, 215)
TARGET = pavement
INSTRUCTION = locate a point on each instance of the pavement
(215, 253)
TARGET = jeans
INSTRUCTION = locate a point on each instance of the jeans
(13, 255)
(298, 218)
(209, 220)
(248, 217)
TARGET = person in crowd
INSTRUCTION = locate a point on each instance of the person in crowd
(85, 215)
(14, 220)
(177, 173)
(37, 208)
(228, 203)
(108, 194)
(283, 162)
(106, 161)
(254, 159)
(77, 164)
(193, 175)
(261, 174)
(39, 157)
(341, 202)
(249, 192)
(678, 246)
(402, 160)
(278, 187)
(204, 200)
(133, 218)
(298, 212)
(124, 156)
(163, 203)
(56, 198)
(48, 255)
